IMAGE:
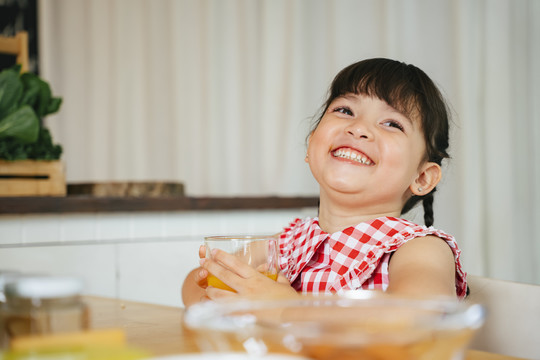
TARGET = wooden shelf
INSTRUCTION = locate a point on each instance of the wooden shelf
(88, 204)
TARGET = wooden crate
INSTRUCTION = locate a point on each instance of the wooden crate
(32, 178)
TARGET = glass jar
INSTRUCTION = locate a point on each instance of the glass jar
(42, 305)
(6, 276)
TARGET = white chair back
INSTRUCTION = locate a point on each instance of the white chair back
(512, 326)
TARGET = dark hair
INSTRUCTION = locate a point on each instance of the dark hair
(408, 90)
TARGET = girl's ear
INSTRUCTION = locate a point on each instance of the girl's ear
(428, 177)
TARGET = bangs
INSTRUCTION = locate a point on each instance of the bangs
(390, 81)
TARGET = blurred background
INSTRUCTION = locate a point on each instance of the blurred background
(220, 95)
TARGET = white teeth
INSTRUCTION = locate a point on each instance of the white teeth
(346, 154)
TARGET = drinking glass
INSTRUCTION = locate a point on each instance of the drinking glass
(261, 252)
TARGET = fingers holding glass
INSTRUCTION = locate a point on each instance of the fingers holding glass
(236, 258)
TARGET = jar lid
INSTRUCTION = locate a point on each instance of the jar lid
(43, 287)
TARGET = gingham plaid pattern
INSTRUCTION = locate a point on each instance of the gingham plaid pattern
(355, 258)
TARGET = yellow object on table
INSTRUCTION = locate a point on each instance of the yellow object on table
(77, 353)
(88, 345)
(107, 337)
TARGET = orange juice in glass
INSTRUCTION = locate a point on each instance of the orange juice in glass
(261, 252)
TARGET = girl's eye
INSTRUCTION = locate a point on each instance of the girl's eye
(344, 110)
(393, 123)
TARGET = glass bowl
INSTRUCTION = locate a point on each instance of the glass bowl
(353, 325)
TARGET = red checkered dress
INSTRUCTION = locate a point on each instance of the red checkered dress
(355, 258)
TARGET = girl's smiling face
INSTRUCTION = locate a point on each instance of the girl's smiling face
(364, 147)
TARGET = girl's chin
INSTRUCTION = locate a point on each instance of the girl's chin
(348, 182)
(345, 189)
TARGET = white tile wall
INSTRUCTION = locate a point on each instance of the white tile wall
(75, 227)
(66, 228)
(10, 229)
(132, 256)
(112, 226)
(95, 264)
(155, 271)
(41, 229)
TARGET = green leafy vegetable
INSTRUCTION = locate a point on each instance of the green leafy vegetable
(22, 124)
(24, 100)
(11, 89)
(42, 149)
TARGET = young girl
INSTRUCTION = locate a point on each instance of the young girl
(375, 150)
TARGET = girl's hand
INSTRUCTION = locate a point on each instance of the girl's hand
(195, 283)
(243, 278)
(202, 275)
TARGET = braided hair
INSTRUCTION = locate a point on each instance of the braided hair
(410, 91)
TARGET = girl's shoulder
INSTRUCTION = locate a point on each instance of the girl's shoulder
(399, 231)
(301, 233)
(299, 225)
(403, 229)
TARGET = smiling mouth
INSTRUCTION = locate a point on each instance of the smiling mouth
(352, 155)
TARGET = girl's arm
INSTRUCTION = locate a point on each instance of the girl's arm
(423, 267)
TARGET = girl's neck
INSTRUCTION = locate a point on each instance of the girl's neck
(334, 217)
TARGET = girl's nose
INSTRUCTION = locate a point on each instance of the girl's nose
(359, 129)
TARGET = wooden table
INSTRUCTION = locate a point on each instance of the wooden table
(158, 329)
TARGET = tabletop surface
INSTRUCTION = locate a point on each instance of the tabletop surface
(159, 330)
